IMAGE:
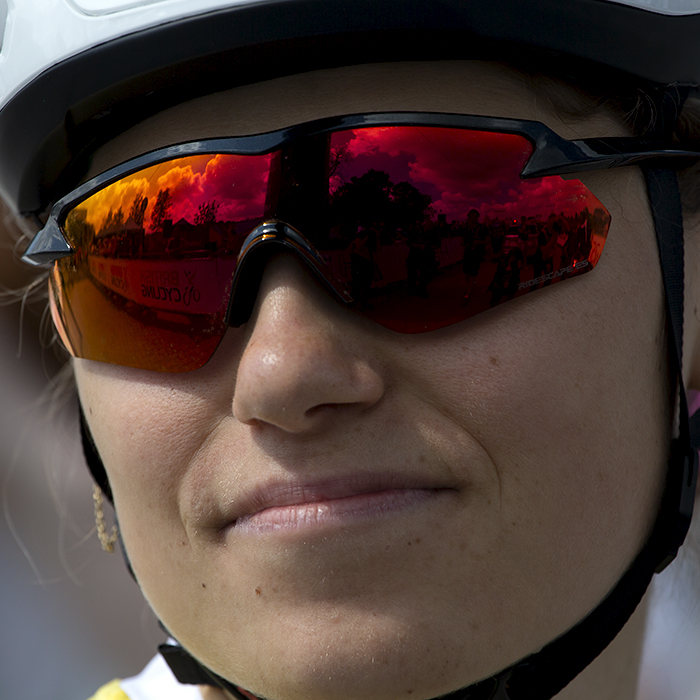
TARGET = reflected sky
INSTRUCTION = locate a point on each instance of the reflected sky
(237, 183)
(459, 169)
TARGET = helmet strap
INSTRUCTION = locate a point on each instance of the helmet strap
(92, 457)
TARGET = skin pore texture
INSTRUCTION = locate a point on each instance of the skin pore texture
(535, 436)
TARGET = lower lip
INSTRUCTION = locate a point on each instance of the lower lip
(336, 511)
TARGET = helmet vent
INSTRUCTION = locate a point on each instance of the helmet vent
(97, 8)
(108, 7)
(3, 20)
(664, 7)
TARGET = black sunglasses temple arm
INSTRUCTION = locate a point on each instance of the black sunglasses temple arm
(555, 156)
(48, 246)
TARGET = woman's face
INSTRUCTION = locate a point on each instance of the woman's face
(509, 465)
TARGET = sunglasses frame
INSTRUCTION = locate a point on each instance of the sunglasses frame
(552, 155)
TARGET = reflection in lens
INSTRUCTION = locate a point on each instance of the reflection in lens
(430, 226)
(154, 258)
(424, 227)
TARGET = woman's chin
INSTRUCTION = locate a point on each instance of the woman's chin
(376, 678)
(379, 662)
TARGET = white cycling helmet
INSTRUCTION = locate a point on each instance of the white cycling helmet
(74, 73)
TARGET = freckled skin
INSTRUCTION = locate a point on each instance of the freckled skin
(526, 411)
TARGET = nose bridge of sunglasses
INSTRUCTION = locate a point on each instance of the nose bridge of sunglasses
(264, 241)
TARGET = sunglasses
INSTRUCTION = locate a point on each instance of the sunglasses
(416, 221)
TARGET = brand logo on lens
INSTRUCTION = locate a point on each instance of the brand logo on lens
(555, 273)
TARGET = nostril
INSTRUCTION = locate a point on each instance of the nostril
(323, 407)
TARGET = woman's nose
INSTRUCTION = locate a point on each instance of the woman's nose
(303, 361)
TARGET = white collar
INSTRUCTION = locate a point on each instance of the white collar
(156, 682)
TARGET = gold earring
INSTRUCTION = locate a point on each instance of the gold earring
(107, 541)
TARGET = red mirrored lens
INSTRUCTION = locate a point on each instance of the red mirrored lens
(439, 226)
(154, 260)
(425, 226)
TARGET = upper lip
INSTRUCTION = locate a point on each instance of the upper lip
(276, 493)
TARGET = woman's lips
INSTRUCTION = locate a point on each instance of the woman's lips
(334, 511)
(294, 506)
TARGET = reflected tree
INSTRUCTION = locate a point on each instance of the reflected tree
(411, 206)
(337, 158)
(114, 219)
(363, 200)
(207, 213)
(138, 209)
(373, 198)
(161, 209)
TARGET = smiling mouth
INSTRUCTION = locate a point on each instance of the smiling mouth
(290, 507)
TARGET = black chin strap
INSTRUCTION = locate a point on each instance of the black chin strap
(92, 457)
